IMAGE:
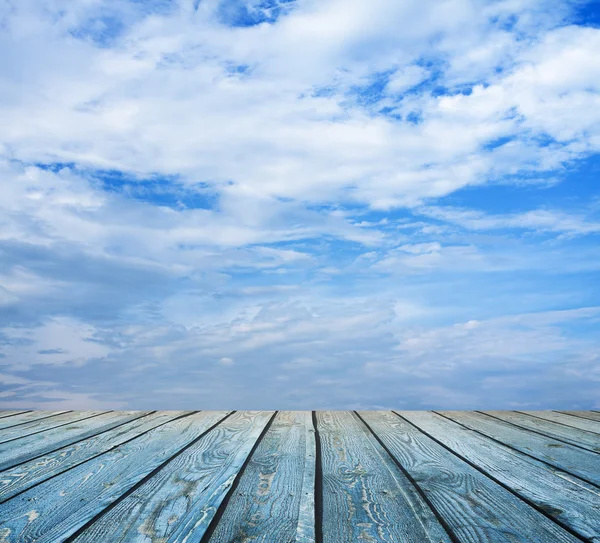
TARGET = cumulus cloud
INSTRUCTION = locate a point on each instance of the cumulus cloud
(291, 190)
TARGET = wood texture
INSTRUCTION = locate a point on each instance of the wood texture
(253, 476)
(27, 416)
(571, 502)
(567, 420)
(476, 509)
(590, 415)
(179, 502)
(4, 414)
(273, 492)
(42, 425)
(22, 477)
(29, 447)
(571, 459)
(365, 495)
(580, 438)
(58, 507)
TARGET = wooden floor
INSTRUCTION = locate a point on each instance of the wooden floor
(300, 476)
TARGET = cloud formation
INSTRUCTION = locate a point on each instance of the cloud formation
(330, 204)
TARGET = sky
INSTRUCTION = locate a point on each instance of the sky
(299, 204)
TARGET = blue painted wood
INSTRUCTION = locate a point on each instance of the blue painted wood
(28, 416)
(571, 459)
(27, 448)
(567, 420)
(274, 501)
(590, 415)
(246, 477)
(42, 425)
(55, 509)
(580, 438)
(24, 476)
(476, 509)
(570, 501)
(6, 413)
(366, 497)
(179, 502)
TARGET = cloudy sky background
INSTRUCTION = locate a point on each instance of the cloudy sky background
(299, 204)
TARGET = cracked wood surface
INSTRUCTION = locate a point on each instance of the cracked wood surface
(299, 476)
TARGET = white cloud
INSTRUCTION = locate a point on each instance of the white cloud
(338, 353)
(58, 341)
(128, 108)
(404, 79)
(539, 220)
(301, 139)
(428, 256)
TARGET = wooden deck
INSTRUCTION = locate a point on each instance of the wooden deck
(278, 477)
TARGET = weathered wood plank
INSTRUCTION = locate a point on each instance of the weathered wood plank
(134, 480)
(590, 415)
(567, 420)
(366, 497)
(580, 438)
(179, 502)
(475, 508)
(273, 492)
(571, 502)
(20, 478)
(28, 448)
(26, 417)
(7, 413)
(42, 425)
(306, 531)
(571, 459)
(56, 508)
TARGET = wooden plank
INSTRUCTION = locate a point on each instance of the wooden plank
(24, 430)
(584, 464)
(571, 502)
(475, 508)
(58, 507)
(567, 420)
(28, 448)
(580, 438)
(20, 478)
(273, 491)
(305, 533)
(366, 497)
(26, 417)
(590, 415)
(6, 413)
(179, 502)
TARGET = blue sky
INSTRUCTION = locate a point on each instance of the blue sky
(299, 204)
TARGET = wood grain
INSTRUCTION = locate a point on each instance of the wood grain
(22, 477)
(570, 501)
(476, 509)
(590, 415)
(27, 448)
(567, 420)
(571, 459)
(580, 438)
(366, 497)
(42, 425)
(58, 507)
(7, 413)
(179, 502)
(273, 490)
(246, 477)
(28, 416)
